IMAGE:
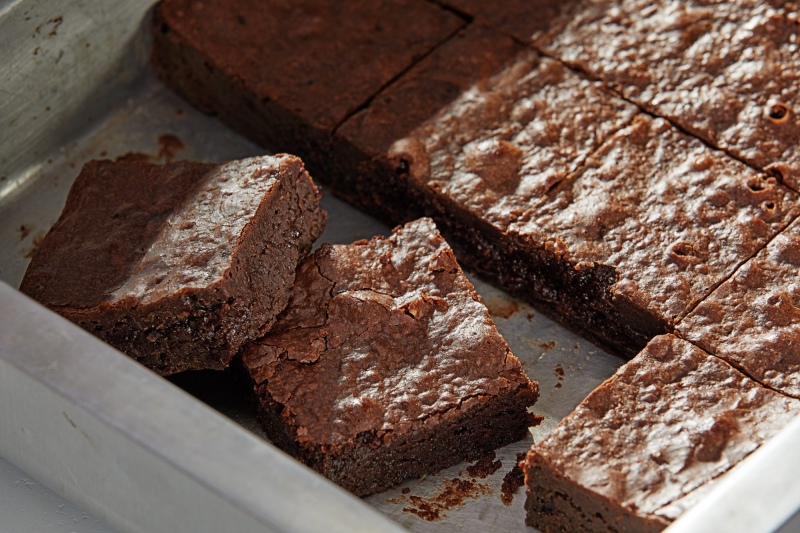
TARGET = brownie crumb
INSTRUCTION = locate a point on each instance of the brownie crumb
(512, 481)
(168, 146)
(24, 231)
(456, 491)
(501, 306)
(559, 372)
(547, 346)
(484, 467)
(56, 22)
(37, 240)
(405, 490)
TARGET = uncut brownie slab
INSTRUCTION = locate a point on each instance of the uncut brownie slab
(386, 365)
(728, 72)
(178, 265)
(648, 443)
(753, 319)
(616, 223)
(287, 73)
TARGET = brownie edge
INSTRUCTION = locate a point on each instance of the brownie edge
(178, 265)
(650, 442)
(386, 365)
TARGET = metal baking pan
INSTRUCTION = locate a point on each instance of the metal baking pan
(142, 454)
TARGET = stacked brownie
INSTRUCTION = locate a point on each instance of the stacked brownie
(386, 365)
(629, 167)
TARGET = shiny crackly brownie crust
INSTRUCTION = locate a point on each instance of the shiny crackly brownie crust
(753, 319)
(644, 445)
(386, 366)
(727, 72)
(178, 265)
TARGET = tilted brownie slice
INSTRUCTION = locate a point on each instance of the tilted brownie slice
(178, 265)
(753, 319)
(287, 73)
(645, 445)
(728, 72)
(386, 365)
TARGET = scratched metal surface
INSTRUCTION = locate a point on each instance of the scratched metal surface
(119, 107)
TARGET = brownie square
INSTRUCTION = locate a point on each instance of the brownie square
(386, 365)
(753, 319)
(728, 72)
(645, 445)
(367, 171)
(287, 73)
(178, 265)
(656, 220)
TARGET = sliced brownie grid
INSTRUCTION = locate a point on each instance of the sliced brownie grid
(616, 222)
(728, 72)
(386, 366)
(646, 444)
(525, 20)
(753, 319)
(178, 265)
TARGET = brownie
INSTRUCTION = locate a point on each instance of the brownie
(367, 173)
(753, 319)
(386, 365)
(727, 72)
(178, 265)
(287, 73)
(645, 445)
(656, 220)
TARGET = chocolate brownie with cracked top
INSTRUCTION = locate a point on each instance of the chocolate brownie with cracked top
(286, 74)
(649, 442)
(386, 365)
(660, 220)
(178, 265)
(728, 72)
(753, 319)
